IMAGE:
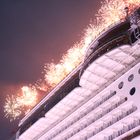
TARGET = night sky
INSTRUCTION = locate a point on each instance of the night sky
(32, 33)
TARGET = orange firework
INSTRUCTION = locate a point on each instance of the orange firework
(57, 72)
(41, 85)
(29, 96)
(111, 11)
(21, 103)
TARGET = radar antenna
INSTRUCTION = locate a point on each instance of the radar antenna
(134, 23)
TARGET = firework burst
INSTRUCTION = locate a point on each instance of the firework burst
(111, 11)
(12, 108)
(21, 103)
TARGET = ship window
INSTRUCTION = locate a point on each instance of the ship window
(132, 91)
(120, 86)
(139, 71)
(131, 77)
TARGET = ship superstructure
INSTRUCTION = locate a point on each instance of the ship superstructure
(100, 99)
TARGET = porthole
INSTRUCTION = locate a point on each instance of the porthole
(132, 91)
(131, 77)
(113, 92)
(120, 86)
(139, 71)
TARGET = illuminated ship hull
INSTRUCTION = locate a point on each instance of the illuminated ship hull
(100, 99)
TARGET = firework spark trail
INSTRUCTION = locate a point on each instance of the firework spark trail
(111, 11)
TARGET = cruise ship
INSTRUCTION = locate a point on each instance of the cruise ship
(98, 100)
